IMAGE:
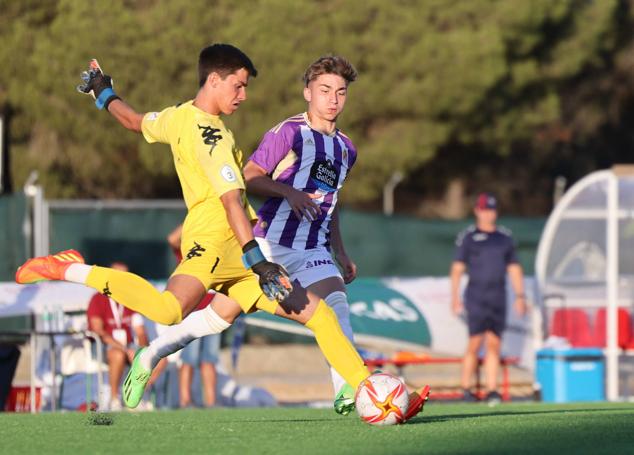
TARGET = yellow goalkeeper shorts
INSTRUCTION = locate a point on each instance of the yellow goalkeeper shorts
(218, 266)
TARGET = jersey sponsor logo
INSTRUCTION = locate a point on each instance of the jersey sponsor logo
(152, 116)
(210, 136)
(344, 154)
(325, 175)
(318, 262)
(480, 237)
(106, 290)
(195, 251)
(227, 173)
(309, 141)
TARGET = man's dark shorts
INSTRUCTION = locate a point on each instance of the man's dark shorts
(486, 314)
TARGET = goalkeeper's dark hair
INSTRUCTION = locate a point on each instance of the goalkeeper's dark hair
(223, 59)
(330, 64)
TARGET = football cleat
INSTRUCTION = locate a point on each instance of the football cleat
(135, 381)
(344, 401)
(417, 400)
(51, 267)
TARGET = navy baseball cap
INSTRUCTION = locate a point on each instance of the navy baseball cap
(486, 201)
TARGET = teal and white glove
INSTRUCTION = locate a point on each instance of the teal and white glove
(97, 85)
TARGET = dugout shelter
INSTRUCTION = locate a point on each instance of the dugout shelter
(584, 271)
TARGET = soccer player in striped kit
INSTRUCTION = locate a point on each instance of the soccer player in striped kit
(300, 165)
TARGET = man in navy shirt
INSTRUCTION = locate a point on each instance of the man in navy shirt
(487, 253)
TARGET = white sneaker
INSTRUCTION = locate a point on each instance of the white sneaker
(146, 405)
(115, 405)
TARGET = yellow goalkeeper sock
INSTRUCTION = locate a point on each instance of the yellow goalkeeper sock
(337, 349)
(134, 292)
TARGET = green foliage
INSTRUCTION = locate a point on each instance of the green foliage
(434, 76)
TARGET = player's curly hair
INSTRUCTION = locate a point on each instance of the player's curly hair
(223, 59)
(330, 64)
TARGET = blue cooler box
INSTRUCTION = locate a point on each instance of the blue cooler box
(567, 375)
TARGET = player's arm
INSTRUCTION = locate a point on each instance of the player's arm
(348, 267)
(274, 279)
(260, 183)
(97, 326)
(125, 115)
(458, 268)
(237, 217)
(99, 86)
(455, 276)
(516, 276)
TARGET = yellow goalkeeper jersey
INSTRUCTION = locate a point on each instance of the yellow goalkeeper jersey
(207, 161)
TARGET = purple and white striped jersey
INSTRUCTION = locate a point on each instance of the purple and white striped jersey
(295, 154)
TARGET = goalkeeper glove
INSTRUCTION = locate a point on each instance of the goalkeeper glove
(98, 85)
(274, 279)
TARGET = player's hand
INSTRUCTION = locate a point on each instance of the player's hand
(98, 85)
(303, 204)
(274, 280)
(520, 305)
(457, 306)
(348, 267)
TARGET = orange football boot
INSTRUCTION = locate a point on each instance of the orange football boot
(51, 267)
(417, 400)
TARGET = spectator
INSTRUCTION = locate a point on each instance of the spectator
(487, 253)
(117, 328)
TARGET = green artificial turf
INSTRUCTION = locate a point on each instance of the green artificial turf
(443, 428)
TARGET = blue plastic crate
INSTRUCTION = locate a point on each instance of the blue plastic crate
(567, 375)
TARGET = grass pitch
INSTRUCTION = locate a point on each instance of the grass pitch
(443, 428)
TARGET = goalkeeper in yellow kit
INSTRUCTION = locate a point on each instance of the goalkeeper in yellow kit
(218, 247)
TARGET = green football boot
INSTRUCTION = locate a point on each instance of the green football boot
(135, 381)
(344, 401)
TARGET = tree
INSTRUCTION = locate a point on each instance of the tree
(448, 90)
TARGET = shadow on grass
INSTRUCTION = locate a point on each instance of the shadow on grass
(449, 417)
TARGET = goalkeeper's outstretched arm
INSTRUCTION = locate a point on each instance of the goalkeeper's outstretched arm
(125, 115)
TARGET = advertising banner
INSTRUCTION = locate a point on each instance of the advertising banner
(391, 313)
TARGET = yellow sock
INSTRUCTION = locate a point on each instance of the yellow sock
(134, 292)
(337, 349)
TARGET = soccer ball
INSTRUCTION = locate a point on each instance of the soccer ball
(382, 399)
